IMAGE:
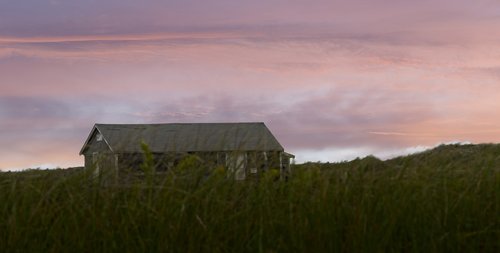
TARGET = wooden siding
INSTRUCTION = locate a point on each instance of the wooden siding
(254, 163)
(99, 147)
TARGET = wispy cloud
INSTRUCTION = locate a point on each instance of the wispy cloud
(401, 134)
(348, 77)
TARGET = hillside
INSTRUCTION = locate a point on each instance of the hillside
(441, 200)
(455, 156)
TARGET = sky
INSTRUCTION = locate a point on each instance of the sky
(333, 80)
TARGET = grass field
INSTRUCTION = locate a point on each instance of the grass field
(444, 200)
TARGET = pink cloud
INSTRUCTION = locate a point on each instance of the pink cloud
(328, 75)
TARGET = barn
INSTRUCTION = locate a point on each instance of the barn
(246, 149)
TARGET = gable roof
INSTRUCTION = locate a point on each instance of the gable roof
(186, 137)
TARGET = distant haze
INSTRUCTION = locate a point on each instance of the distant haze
(332, 79)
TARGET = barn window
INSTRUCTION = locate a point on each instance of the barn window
(99, 137)
(252, 162)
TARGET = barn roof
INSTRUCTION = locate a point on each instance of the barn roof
(186, 137)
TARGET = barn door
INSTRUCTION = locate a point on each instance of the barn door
(95, 162)
(236, 164)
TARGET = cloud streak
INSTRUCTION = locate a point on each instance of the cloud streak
(329, 76)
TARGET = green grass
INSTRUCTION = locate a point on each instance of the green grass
(444, 200)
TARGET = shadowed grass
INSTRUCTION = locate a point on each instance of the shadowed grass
(445, 200)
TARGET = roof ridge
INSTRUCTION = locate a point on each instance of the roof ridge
(182, 123)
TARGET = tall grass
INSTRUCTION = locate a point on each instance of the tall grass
(431, 202)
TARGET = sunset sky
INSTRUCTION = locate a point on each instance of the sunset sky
(332, 79)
